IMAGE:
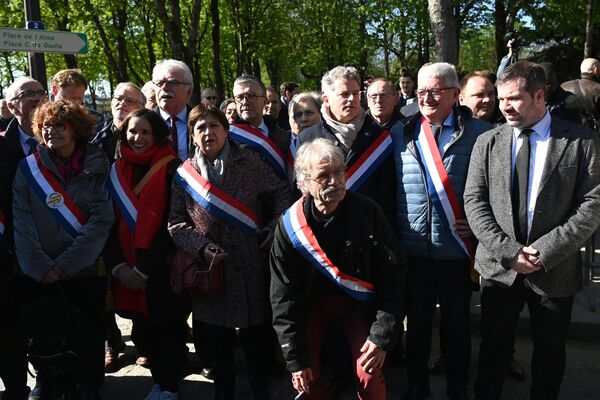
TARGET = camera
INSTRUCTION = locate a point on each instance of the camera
(512, 35)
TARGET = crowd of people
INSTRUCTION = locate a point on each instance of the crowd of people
(309, 216)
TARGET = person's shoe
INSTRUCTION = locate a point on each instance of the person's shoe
(438, 367)
(142, 361)
(515, 370)
(208, 373)
(168, 396)
(154, 393)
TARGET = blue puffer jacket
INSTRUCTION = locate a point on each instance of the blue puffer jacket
(420, 229)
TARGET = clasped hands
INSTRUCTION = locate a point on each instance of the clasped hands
(526, 261)
(131, 278)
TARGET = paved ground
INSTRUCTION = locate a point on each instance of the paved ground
(581, 382)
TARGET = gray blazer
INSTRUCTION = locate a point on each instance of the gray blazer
(566, 214)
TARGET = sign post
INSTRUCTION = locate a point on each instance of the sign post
(37, 62)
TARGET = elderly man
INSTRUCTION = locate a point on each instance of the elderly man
(23, 95)
(174, 85)
(588, 90)
(127, 97)
(356, 277)
(149, 91)
(273, 105)
(366, 146)
(209, 97)
(382, 103)
(5, 114)
(432, 151)
(533, 198)
(70, 85)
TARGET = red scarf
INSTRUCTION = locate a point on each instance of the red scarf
(152, 204)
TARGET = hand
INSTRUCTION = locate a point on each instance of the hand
(267, 235)
(526, 261)
(302, 380)
(52, 276)
(372, 358)
(209, 253)
(462, 228)
(128, 277)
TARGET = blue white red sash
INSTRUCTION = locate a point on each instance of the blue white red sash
(305, 242)
(440, 188)
(123, 196)
(261, 143)
(51, 192)
(215, 200)
(2, 225)
(368, 162)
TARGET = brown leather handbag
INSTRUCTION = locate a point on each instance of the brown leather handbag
(189, 276)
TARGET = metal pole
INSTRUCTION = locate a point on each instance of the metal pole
(37, 62)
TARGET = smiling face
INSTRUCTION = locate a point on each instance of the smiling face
(479, 95)
(343, 100)
(436, 108)
(139, 134)
(173, 93)
(209, 136)
(59, 137)
(29, 97)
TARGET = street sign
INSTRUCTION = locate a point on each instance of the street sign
(40, 41)
(35, 25)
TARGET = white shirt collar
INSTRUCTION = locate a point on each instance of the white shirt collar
(182, 115)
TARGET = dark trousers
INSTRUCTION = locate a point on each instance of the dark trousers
(219, 343)
(164, 343)
(549, 318)
(447, 282)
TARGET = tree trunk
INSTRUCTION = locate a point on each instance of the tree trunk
(500, 24)
(120, 22)
(216, 48)
(589, 27)
(444, 30)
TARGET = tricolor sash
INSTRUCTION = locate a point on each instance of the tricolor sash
(368, 162)
(440, 188)
(261, 143)
(293, 149)
(2, 225)
(215, 200)
(123, 196)
(305, 242)
(51, 192)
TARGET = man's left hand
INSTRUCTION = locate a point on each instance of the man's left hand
(372, 358)
(462, 228)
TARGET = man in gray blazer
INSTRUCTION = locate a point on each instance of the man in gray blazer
(532, 198)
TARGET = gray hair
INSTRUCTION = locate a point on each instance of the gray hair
(250, 79)
(131, 85)
(11, 91)
(439, 70)
(310, 153)
(207, 91)
(148, 86)
(339, 72)
(305, 97)
(173, 65)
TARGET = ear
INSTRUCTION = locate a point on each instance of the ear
(325, 98)
(460, 98)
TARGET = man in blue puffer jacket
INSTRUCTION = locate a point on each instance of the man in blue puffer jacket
(432, 152)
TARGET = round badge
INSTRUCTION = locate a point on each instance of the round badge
(54, 200)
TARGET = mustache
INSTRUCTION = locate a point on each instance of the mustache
(332, 188)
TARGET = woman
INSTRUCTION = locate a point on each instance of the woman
(304, 111)
(62, 217)
(139, 246)
(239, 178)
(229, 109)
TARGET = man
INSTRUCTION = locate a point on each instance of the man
(70, 85)
(23, 95)
(357, 279)
(532, 198)
(432, 153)
(478, 93)
(560, 103)
(407, 90)
(174, 85)
(273, 105)
(126, 98)
(382, 103)
(5, 114)
(355, 132)
(288, 90)
(209, 97)
(149, 91)
(588, 90)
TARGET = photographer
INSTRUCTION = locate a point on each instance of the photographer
(512, 38)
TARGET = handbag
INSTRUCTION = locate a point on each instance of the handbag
(189, 276)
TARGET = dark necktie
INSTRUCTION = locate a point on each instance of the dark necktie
(173, 134)
(520, 186)
(436, 130)
(32, 145)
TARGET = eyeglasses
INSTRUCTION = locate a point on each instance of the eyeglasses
(249, 97)
(381, 96)
(324, 177)
(435, 93)
(128, 100)
(169, 83)
(38, 94)
(58, 127)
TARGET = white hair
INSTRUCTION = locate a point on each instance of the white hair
(439, 70)
(339, 72)
(173, 65)
(311, 153)
(131, 85)
(12, 90)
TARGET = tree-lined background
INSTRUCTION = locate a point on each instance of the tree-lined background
(293, 40)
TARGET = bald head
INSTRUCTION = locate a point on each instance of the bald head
(590, 66)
